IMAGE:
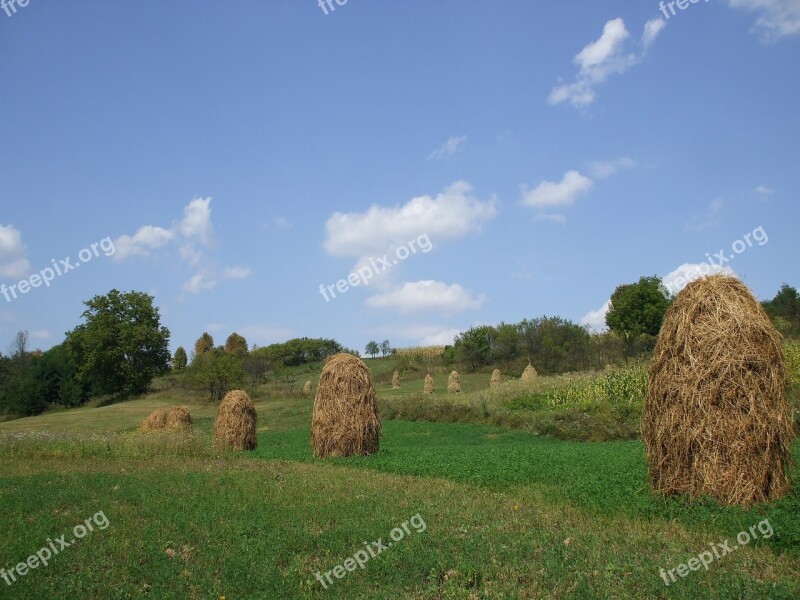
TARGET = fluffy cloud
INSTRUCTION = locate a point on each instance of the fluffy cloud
(453, 213)
(602, 169)
(147, 238)
(596, 319)
(688, 272)
(13, 255)
(776, 18)
(427, 296)
(452, 146)
(549, 194)
(608, 55)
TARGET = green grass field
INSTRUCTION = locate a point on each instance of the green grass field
(506, 514)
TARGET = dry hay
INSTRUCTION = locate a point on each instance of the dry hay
(308, 388)
(529, 374)
(428, 389)
(179, 418)
(396, 381)
(453, 383)
(497, 378)
(156, 420)
(345, 420)
(235, 426)
(716, 421)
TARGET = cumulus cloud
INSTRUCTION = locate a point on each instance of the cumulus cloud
(549, 194)
(776, 18)
(596, 319)
(688, 272)
(13, 254)
(452, 146)
(196, 221)
(147, 238)
(427, 296)
(611, 54)
(198, 283)
(453, 213)
(602, 169)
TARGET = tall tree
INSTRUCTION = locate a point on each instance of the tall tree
(121, 346)
(179, 360)
(386, 347)
(236, 344)
(637, 308)
(372, 349)
(204, 344)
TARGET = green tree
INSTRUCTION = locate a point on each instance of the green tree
(217, 373)
(236, 344)
(506, 343)
(555, 345)
(179, 360)
(784, 310)
(203, 345)
(122, 346)
(386, 347)
(637, 308)
(473, 348)
(372, 349)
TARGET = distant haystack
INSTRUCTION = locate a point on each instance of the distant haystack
(453, 383)
(396, 381)
(529, 374)
(236, 422)
(428, 389)
(156, 420)
(716, 421)
(497, 378)
(345, 420)
(179, 418)
(308, 388)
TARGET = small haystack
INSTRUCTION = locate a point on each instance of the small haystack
(308, 388)
(497, 378)
(428, 389)
(156, 420)
(235, 426)
(396, 381)
(529, 374)
(345, 420)
(453, 383)
(179, 418)
(716, 421)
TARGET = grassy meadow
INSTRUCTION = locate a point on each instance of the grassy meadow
(509, 512)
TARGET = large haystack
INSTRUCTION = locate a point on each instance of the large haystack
(716, 421)
(156, 420)
(453, 383)
(179, 418)
(529, 374)
(396, 381)
(428, 388)
(308, 388)
(497, 378)
(345, 421)
(235, 426)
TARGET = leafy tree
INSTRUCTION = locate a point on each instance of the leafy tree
(121, 346)
(236, 344)
(298, 352)
(473, 348)
(19, 345)
(784, 310)
(506, 343)
(637, 308)
(217, 373)
(180, 360)
(386, 347)
(555, 345)
(372, 349)
(204, 344)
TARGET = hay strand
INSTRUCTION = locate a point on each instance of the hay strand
(716, 421)
(529, 374)
(428, 388)
(453, 383)
(345, 420)
(396, 381)
(497, 378)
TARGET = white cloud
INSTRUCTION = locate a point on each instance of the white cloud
(764, 192)
(236, 272)
(452, 146)
(442, 338)
(711, 218)
(427, 296)
(602, 58)
(147, 238)
(196, 221)
(602, 169)
(550, 194)
(596, 319)
(777, 18)
(13, 254)
(451, 214)
(199, 283)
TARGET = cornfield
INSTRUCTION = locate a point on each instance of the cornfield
(791, 352)
(421, 352)
(628, 386)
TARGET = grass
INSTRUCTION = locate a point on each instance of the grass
(507, 514)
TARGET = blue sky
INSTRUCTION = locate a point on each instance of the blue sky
(238, 157)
